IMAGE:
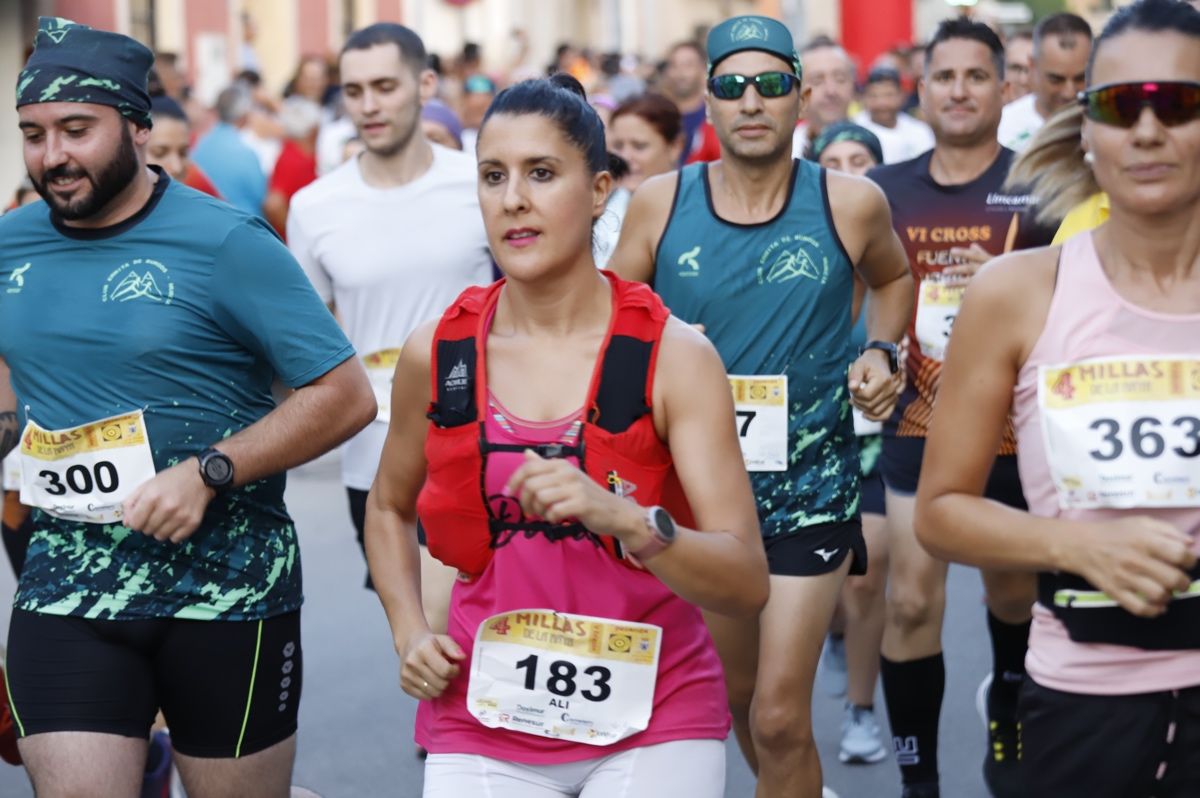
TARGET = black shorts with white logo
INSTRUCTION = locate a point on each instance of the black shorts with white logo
(226, 688)
(817, 549)
(1120, 746)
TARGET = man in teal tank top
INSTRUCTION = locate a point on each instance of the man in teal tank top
(759, 249)
(142, 325)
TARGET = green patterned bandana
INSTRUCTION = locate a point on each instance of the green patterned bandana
(78, 64)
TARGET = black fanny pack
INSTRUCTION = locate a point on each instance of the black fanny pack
(1092, 617)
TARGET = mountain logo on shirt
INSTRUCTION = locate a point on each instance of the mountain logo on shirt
(139, 279)
(791, 257)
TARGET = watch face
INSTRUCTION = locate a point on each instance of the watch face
(218, 469)
(664, 523)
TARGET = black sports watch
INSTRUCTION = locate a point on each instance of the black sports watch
(216, 469)
(884, 346)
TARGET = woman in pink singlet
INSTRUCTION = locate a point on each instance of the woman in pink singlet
(1095, 345)
(535, 428)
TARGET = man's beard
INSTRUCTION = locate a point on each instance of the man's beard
(114, 178)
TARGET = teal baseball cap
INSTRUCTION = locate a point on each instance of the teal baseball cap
(751, 32)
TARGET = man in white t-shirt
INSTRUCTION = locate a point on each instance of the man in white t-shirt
(903, 137)
(1062, 44)
(390, 238)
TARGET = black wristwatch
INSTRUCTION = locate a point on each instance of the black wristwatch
(893, 353)
(216, 469)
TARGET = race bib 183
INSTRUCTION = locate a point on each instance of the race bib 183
(761, 408)
(84, 473)
(381, 368)
(1123, 432)
(937, 307)
(575, 677)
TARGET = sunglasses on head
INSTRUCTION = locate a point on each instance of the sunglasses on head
(1120, 104)
(768, 84)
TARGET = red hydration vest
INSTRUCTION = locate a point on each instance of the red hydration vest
(617, 446)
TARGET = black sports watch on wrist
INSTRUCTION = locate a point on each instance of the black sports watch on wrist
(216, 469)
(893, 353)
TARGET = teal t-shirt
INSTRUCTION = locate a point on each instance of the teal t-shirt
(775, 299)
(186, 311)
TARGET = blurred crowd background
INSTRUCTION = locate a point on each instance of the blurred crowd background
(248, 104)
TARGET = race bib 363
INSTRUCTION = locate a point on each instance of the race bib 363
(1123, 432)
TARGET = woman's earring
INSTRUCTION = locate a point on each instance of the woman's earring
(1089, 159)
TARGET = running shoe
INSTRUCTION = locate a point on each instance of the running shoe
(832, 668)
(981, 695)
(862, 743)
(1002, 763)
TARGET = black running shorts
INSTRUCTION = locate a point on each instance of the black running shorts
(817, 549)
(226, 688)
(1127, 746)
(901, 467)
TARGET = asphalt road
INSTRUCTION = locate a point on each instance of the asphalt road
(356, 724)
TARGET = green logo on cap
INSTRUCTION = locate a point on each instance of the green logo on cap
(745, 30)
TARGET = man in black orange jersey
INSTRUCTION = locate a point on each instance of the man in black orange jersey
(953, 214)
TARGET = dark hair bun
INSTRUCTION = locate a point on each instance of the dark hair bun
(565, 81)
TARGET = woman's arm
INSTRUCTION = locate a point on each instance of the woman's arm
(722, 568)
(390, 533)
(1136, 560)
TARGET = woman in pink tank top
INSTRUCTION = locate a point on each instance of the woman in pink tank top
(576, 661)
(1095, 346)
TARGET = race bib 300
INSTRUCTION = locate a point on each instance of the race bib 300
(574, 677)
(85, 473)
(1123, 432)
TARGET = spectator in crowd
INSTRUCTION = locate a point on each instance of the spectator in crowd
(619, 79)
(170, 78)
(646, 133)
(1062, 44)
(297, 164)
(170, 143)
(24, 194)
(478, 92)
(226, 158)
(441, 125)
(829, 74)
(1018, 62)
(902, 136)
(604, 105)
(683, 83)
(311, 80)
